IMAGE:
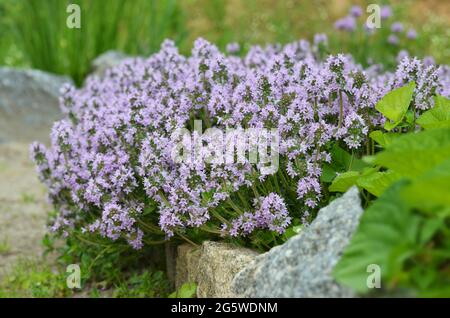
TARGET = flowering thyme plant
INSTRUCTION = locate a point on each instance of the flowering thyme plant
(110, 170)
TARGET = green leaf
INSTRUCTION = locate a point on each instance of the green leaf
(413, 154)
(438, 116)
(376, 182)
(370, 160)
(409, 117)
(344, 181)
(429, 228)
(292, 231)
(395, 104)
(343, 161)
(187, 290)
(383, 139)
(386, 236)
(423, 277)
(390, 125)
(328, 173)
(430, 189)
(441, 101)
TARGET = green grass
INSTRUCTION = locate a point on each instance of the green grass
(28, 198)
(268, 21)
(146, 284)
(5, 247)
(105, 271)
(432, 39)
(37, 29)
(32, 279)
(250, 22)
(37, 279)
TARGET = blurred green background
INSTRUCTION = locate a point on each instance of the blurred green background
(33, 33)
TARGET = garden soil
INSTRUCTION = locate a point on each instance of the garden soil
(23, 207)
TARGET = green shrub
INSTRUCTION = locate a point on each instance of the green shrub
(406, 230)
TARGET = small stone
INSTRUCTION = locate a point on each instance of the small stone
(107, 60)
(29, 104)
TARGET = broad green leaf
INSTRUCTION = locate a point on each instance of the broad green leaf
(438, 116)
(343, 161)
(383, 139)
(441, 101)
(390, 125)
(344, 181)
(328, 173)
(395, 104)
(292, 231)
(370, 160)
(413, 154)
(187, 290)
(386, 236)
(376, 182)
(409, 116)
(430, 189)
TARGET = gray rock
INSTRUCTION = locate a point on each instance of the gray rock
(106, 61)
(28, 104)
(186, 264)
(212, 267)
(302, 266)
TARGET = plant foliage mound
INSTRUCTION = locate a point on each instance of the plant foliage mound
(110, 169)
(405, 232)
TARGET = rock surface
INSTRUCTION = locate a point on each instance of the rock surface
(186, 264)
(212, 267)
(302, 266)
(106, 61)
(28, 104)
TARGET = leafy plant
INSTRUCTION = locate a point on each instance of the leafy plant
(395, 104)
(437, 117)
(32, 279)
(405, 231)
(408, 239)
(5, 246)
(36, 278)
(187, 290)
(424, 150)
(147, 284)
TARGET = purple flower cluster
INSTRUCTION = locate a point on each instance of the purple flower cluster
(397, 29)
(233, 48)
(349, 24)
(109, 169)
(270, 213)
(385, 12)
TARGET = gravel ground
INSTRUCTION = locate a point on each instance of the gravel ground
(23, 206)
